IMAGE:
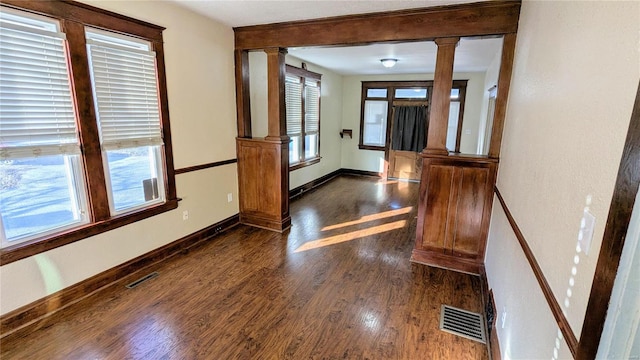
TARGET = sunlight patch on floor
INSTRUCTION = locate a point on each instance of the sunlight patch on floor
(367, 218)
(337, 239)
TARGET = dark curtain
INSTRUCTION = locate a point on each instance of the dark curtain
(409, 128)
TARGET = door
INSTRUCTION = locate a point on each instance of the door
(408, 138)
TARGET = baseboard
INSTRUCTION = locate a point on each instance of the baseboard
(313, 184)
(355, 172)
(493, 347)
(31, 315)
(297, 192)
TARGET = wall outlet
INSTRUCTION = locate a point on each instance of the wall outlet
(503, 318)
(229, 197)
(185, 215)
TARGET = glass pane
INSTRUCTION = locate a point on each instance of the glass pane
(411, 93)
(452, 129)
(294, 150)
(376, 93)
(40, 195)
(311, 146)
(375, 123)
(455, 93)
(136, 178)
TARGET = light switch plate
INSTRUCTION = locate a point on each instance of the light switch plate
(587, 224)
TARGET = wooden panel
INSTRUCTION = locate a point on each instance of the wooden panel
(495, 17)
(263, 183)
(438, 196)
(205, 166)
(268, 181)
(504, 82)
(470, 210)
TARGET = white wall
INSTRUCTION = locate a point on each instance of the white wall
(370, 160)
(574, 81)
(330, 115)
(201, 90)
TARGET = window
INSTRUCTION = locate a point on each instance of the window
(302, 98)
(80, 152)
(456, 112)
(379, 97)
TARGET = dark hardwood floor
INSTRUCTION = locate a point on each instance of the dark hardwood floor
(339, 285)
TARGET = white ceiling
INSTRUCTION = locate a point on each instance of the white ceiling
(415, 57)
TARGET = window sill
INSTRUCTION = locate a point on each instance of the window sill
(371, 147)
(37, 246)
(304, 164)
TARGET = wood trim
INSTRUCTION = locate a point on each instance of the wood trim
(276, 72)
(305, 163)
(30, 317)
(504, 83)
(556, 310)
(300, 72)
(313, 184)
(163, 99)
(205, 166)
(493, 345)
(441, 260)
(441, 97)
(355, 172)
(243, 94)
(484, 18)
(622, 202)
(461, 99)
(36, 246)
(88, 128)
(90, 15)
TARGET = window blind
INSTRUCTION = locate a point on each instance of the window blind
(37, 115)
(293, 100)
(125, 92)
(312, 107)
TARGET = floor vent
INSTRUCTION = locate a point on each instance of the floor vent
(142, 279)
(462, 323)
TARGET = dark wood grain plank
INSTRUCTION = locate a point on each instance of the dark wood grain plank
(205, 166)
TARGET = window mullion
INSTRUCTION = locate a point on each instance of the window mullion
(87, 125)
(303, 80)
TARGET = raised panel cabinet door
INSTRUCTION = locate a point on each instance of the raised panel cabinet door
(248, 161)
(470, 209)
(269, 185)
(438, 196)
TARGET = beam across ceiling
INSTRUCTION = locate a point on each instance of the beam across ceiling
(475, 19)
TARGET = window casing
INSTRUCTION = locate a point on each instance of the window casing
(379, 97)
(84, 128)
(302, 100)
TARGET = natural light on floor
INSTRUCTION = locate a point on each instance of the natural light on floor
(366, 218)
(337, 239)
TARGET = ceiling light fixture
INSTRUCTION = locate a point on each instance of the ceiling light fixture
(388, 63)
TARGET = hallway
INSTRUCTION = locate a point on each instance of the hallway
(339, 284)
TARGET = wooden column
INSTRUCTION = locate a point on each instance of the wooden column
(263, 164)
(243, 96)
(276, 69)
(441, 97)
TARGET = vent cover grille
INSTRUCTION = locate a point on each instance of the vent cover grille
(462, 323)
(142, 279)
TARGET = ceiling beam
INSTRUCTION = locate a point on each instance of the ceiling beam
(475, 19)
